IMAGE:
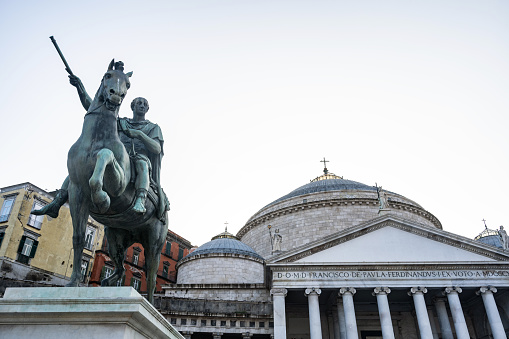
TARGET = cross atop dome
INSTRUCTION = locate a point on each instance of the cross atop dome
(326, 174)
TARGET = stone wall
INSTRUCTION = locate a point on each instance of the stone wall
(229, 292)
(221, 269)
(310, 217)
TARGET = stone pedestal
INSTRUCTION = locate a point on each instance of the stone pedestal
(80, 312)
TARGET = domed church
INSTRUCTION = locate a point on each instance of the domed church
(339, 259)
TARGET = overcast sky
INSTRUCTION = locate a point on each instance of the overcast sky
(251, 95)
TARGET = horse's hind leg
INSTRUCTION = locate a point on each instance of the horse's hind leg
(118, 242)
(153, 243)
(79, 214)
(100, 198)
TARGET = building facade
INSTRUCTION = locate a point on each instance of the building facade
(339, 259)
(37, 250)
(174, 249)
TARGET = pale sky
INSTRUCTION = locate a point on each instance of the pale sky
(251, 95)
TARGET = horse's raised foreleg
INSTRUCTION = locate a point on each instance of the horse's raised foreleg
(118, 242)
(116, 181)
(79, 214)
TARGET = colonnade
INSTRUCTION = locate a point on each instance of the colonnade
(346, 324)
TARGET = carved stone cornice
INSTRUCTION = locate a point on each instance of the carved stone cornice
(347, 290)
(279, 292)
(381, 290)
(314, 290)
(417, 290)
(391, 267)
(453, 289)
(485, 289)
(397, 205)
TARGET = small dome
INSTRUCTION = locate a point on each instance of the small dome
(223, 260)
(490, 237)
(224, 243)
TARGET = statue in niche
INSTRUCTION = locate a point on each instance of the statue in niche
(504, 238)
(276, 241)
(114, 176)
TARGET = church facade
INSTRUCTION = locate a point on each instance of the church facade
(343, 260)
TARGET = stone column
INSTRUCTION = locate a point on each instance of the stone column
(417, 294)
(335, 320)
(432, 323)
(216, 335)
(315, 325)
(349, 309)
(458, 318)
(497, 329)
(278, 303)
(443, 318)
(384, 311)
(341, 319)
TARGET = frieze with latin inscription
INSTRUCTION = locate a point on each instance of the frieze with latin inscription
(338, 275)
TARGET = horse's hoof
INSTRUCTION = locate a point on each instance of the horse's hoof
(50, 210)
(101, 201)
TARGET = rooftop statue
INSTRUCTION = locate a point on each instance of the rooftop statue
(114, 172)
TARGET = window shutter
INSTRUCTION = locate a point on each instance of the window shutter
(103, 272)
(1, 238)
(132, 282)
(21, 243)
(34, 248)
(123, 280)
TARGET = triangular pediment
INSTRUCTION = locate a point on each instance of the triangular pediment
(390, 240)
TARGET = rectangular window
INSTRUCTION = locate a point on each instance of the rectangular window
(212, 323)
(183, 321)
(26, 249)
(6, 208)
(89, 238)
(223, 322)
(165, 271)
(136, 284)
(168, 249)
(84, 268)
(261, 324)
(173, 321)
(136, 257)
(233, 323)
(204, 322)
(181, 253)
(193, 321)
(108, 271)
(242, 324)
(36, 220)
(252, 324)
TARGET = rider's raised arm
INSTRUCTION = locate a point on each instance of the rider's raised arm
(84, 98)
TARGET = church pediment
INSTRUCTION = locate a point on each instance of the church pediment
(389, 240)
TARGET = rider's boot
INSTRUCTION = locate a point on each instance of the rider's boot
(52, 208)
(139, 204)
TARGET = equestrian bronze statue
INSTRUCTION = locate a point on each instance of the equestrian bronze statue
(114, 176)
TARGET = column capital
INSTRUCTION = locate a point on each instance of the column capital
(308, 291)
(452, 289)
(417, 290)
(280, 292)
(485, 289)
(347, 290)
(381, 290)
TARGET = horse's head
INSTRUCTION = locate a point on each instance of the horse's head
(115, 84)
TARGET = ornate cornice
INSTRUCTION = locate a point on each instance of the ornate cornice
(397, 205)
(218, 255)
(392, 267)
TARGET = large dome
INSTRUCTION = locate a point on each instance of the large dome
(223, 260)
(324, 206)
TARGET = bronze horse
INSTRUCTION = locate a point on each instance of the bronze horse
(100, 185)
